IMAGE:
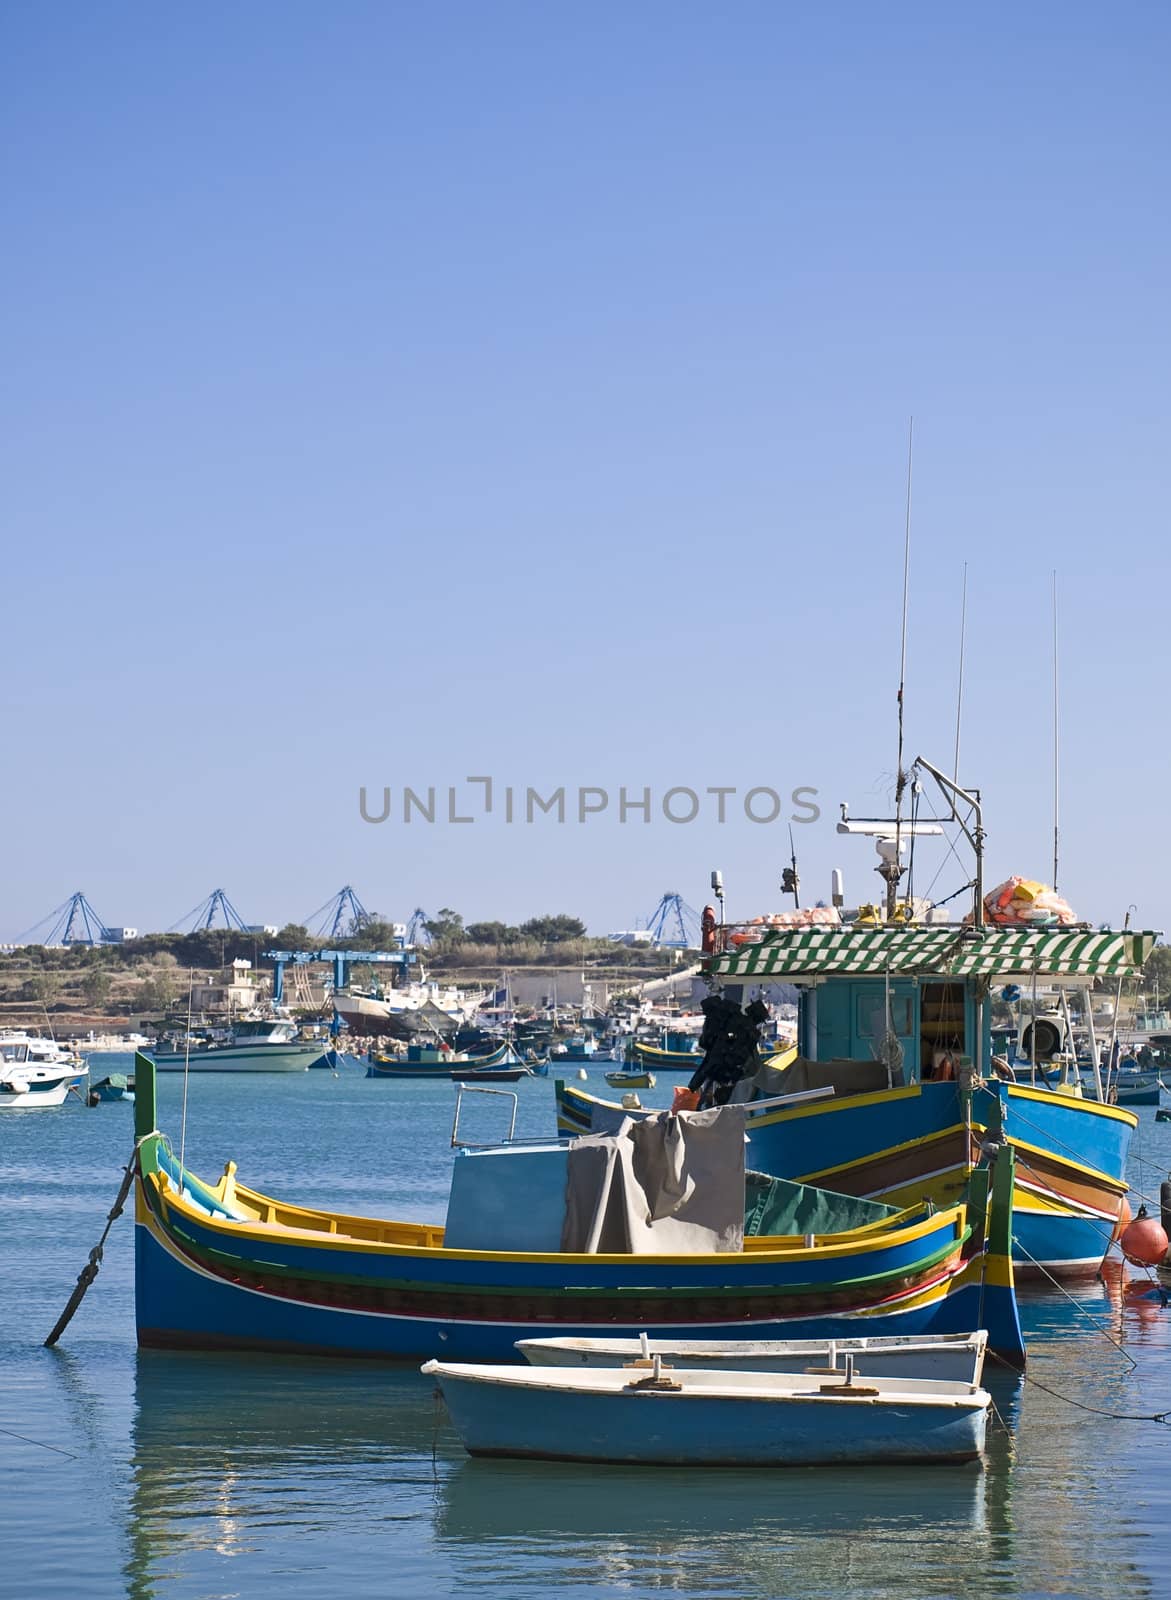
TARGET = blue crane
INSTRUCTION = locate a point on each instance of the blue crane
(418, 933)
(341, 960)
(341, 917)
(74, 921)
(673, 923)
(204, 914)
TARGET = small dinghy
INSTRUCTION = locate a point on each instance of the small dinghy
(667, 1416)
(949, 1357)
(630, 1080)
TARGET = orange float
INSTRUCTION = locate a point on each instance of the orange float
(1144, 1241)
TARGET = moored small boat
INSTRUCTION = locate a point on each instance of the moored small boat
(674, 1417)
(501, 1065)
(630, 1080)
(251, 1045)
(117, 1086)
(35, 1088)
(951, 1357)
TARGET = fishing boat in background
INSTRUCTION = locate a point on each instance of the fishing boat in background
(630, 1080)
(399, 1012)
(262, 1044)
(501, 1065)
(692, 1418)
(674, 1052)
(886, 1015)
(222, 1266)
(579, 1047)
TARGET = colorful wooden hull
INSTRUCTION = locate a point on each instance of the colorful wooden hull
(650, 1056)
(905, 1144)
(497, 1066)
(229, 1268)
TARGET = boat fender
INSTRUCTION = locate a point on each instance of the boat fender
(1144, 1242)
(1125, 1215)
(707, 925)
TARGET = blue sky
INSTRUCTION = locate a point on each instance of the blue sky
(395, 393)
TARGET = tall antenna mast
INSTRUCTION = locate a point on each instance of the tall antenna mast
(955, 773)
(892, 885)
(1056, 741)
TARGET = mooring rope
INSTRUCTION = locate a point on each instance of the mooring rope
(90, 1271)
(40, 1443)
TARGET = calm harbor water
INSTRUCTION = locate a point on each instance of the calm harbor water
(192, 1477)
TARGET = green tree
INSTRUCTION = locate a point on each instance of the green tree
(96, 986)
(1157, 971)
(44, 986)
(553, 930)
(446, 928)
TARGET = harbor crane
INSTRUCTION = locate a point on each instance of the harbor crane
(674, 924)
(341, 917)
(204, 914)
(74, 921)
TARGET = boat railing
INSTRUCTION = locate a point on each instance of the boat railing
(479, 1088)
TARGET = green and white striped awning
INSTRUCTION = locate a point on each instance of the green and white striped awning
(794, 954)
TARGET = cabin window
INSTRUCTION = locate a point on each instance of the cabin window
(870, 1019)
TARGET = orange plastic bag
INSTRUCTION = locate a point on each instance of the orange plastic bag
(685, 1099)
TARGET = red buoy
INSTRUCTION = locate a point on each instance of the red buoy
(1144, 1242)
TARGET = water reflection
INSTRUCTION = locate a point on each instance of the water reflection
(243, 1468)
(259, 1477)
(248, 1461)
(722, 1533)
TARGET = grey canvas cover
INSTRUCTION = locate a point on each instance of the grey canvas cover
(663, 1185)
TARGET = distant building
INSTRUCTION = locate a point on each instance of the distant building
(265, 929)
(119, 935)
(239, 992)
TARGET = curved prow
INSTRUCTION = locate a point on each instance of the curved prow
(145, 1110)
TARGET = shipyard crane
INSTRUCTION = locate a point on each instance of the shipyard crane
(74, 921)
(674, 924)
(418, 933)
(203, 916)
(341, 917)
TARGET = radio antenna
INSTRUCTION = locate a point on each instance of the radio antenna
(900, 775)
(1056, 741)
(955, 773)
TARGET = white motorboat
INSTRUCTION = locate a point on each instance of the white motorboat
(249, 1045)
(35, 1072)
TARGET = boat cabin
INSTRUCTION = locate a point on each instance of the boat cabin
(884, 1007)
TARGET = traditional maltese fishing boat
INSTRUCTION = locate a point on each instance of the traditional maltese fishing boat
(910, 1126)
(656, 1227)
(902, 1094)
